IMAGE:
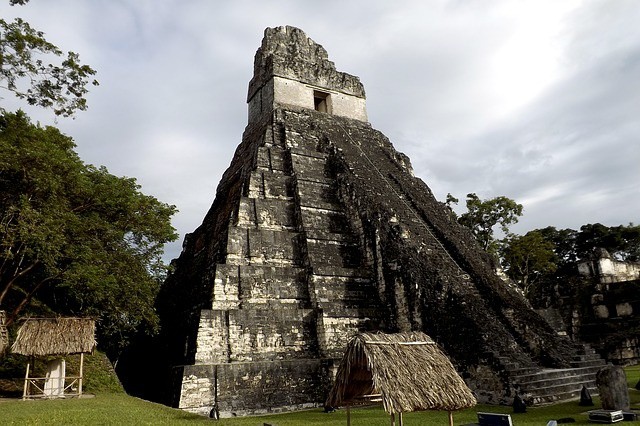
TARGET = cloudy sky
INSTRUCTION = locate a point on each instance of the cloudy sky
(536, 100)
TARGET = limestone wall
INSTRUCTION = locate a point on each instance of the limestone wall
(280, 91)
(608, 270)
(255, 388)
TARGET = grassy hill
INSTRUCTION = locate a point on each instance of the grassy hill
(98, 372)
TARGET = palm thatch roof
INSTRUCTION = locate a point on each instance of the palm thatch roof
(55, 336)
(407, 370)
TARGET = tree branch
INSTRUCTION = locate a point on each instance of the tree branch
(22, 273)
(25, 301)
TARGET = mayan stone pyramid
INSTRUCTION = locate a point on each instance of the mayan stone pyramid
(319, 230)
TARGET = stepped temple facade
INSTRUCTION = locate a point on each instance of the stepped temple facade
(320, 230)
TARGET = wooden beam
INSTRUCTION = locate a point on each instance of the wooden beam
(80, 379)
(348, 415)
(25, 391)
(450, 418)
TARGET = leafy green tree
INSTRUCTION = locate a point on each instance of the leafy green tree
(564, 245)
(622, 242)
(483, 216)
(75, 237)
(25, 71)
(571, 247)
(528, 259)
(451, 201)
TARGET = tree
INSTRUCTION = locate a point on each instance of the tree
(564, 245)
(25, 72)
(622, 242)
(528, 259)
(451, 201)
(483, 215)
(75, 237)
(570, 247)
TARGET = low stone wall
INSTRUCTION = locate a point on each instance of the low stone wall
(488, 386)
(239, 389)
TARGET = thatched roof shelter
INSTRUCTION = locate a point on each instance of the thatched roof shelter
(407, 370)
(55, 336)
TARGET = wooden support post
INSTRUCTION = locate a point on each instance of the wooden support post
(25, 392)
(450, 418)
(348, 415)
(393, 419)
(80, 379)
(400, 421)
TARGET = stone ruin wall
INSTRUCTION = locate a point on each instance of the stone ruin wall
(604, 269)
(300, 95)
(606, 313)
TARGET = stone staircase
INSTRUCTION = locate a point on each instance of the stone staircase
(553, 385)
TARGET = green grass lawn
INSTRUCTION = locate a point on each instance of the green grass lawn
(120, 409)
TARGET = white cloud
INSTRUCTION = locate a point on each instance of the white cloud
(535, 100)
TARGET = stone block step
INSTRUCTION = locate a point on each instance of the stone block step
(324, 220)
(555, 373)
(281, 304)
(317, 194)
(309, 168)
(310, 149)
(335, 310)
(587, 357)
(268, 184)
(561, 389)
(517, 368)
(273, 159)
(549, 382)
(331, 254)
(552, 397)
(584, 349)
(315, 234)
(592, 363)
(338, 271)
(521, 371)
(354, 291)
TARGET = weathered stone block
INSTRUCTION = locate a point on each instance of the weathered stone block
(273, 247)
(225, 287)
(275, 214)
(624, 309)
(213, 337)
(317, 194)
(261, 334)
(279, 159)
(309, 168)
(237, 244)
(613, 388)
(262, 284)
(329, 221)
(601, 311)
